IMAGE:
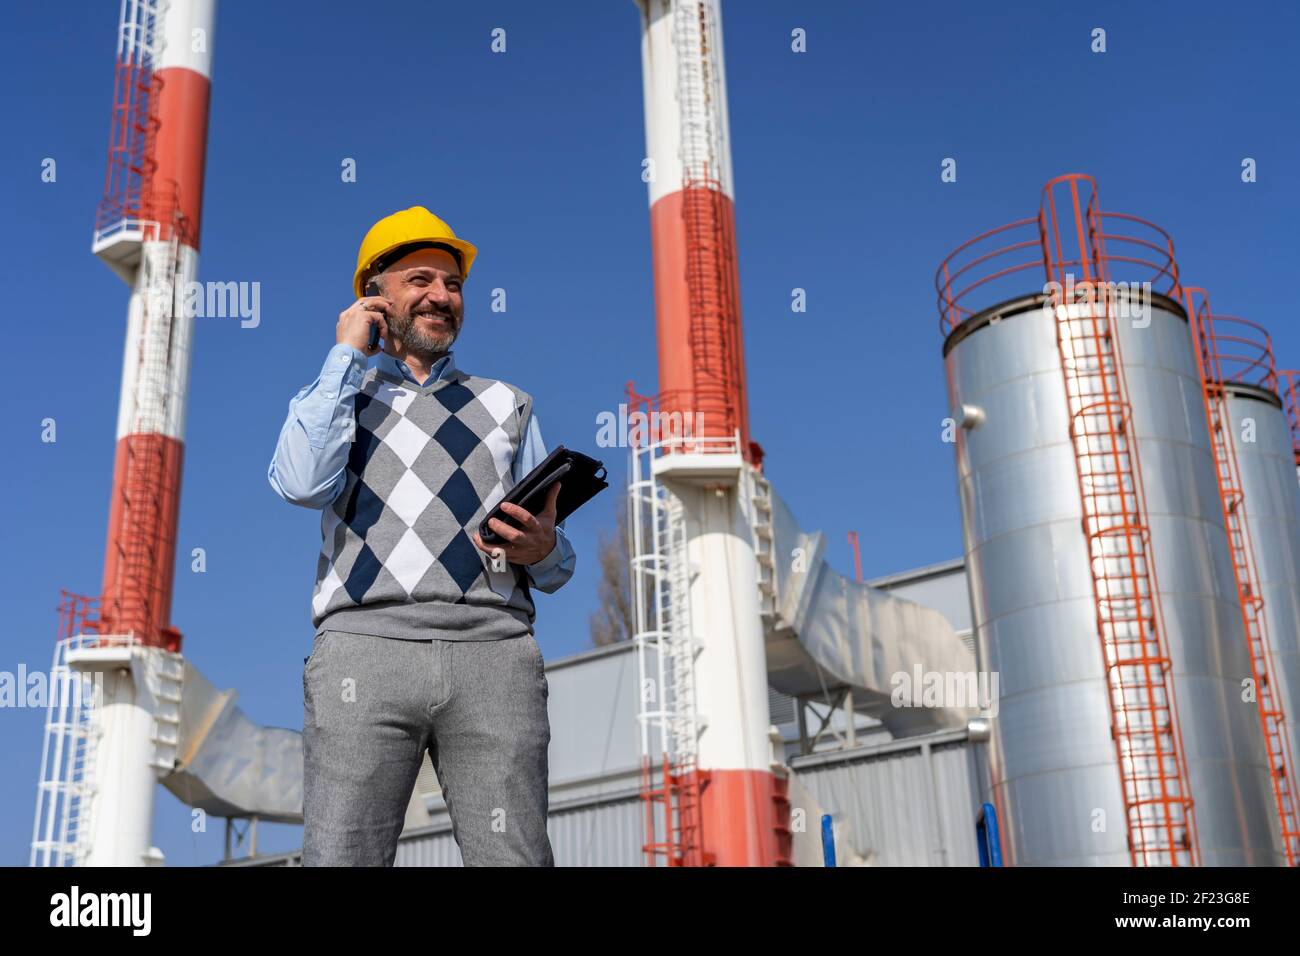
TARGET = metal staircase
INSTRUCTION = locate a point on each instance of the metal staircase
(759, 492)
(660, 580)
(760, 496)
(166, 676)
(66, 787)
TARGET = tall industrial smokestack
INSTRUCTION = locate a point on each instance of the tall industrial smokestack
(147, 230)
(712, 796)
(692, 217)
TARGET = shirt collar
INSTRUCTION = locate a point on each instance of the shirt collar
(442, 368)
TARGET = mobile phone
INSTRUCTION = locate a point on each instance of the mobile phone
(372, 288)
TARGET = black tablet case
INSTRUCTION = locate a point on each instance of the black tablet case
(581, 479)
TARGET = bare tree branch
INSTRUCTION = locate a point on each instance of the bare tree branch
(612, 622)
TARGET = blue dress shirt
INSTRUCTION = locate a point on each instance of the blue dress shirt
(311, 456)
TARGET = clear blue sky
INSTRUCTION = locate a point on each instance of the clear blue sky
(535, 156)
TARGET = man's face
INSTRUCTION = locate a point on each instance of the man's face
(424, 287)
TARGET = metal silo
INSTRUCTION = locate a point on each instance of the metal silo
(1289, 382)
(1256, 451)
(1102, 591)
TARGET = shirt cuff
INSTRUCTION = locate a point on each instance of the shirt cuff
(548, 562)
(344, 364)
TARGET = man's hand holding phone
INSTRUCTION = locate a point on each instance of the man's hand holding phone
(358, 319)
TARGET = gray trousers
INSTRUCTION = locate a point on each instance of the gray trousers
(374, 705)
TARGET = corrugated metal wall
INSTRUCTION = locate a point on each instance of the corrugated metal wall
(897, 806)
(902, 803)
(604, 831)
(606, 834)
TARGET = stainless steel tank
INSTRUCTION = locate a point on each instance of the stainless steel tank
(1266, 460)
(1054, 763)
(1289, 385)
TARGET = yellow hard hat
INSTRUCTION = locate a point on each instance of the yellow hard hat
(410, 227)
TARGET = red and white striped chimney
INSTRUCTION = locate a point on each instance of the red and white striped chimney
(702, 373)
(149, 231)
(692, 216)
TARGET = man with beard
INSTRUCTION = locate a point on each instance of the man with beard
(424, 634)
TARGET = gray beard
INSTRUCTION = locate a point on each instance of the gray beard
(422, 344)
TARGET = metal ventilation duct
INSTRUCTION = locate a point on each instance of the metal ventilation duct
(829, 632)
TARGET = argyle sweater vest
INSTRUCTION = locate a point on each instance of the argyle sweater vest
(426, 465)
